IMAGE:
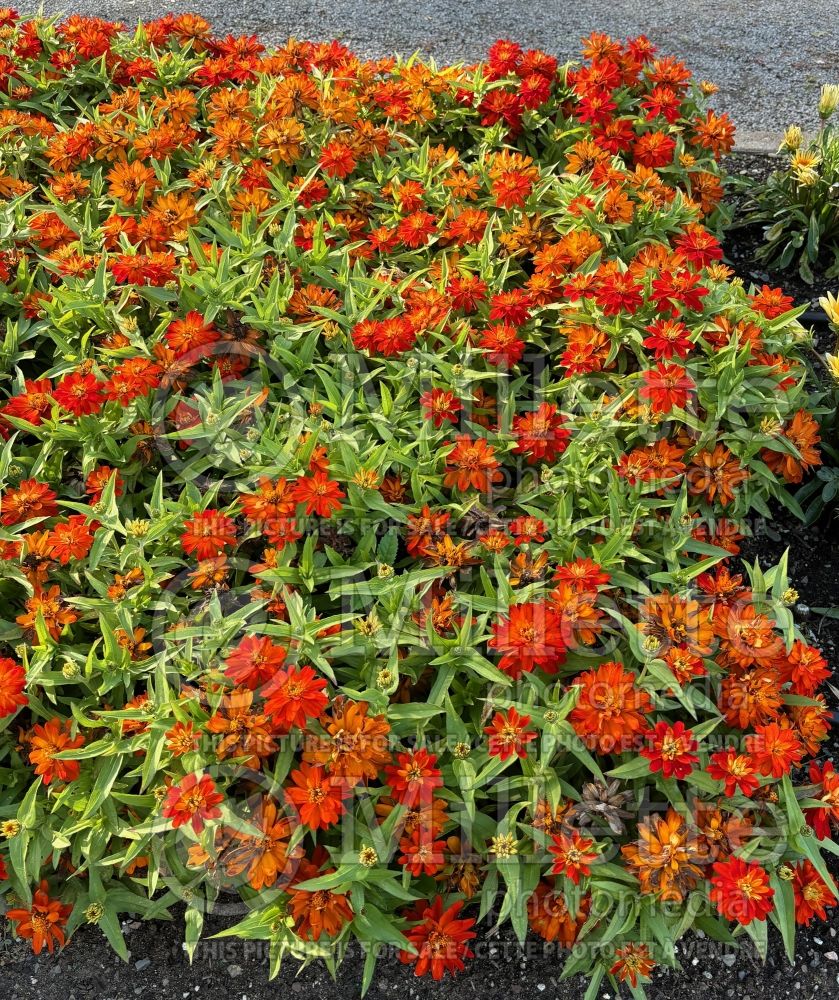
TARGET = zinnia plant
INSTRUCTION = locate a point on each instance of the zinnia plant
(378, 443)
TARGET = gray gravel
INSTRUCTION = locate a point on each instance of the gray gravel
(768, 59)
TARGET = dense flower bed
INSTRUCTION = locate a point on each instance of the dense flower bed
(379, 438)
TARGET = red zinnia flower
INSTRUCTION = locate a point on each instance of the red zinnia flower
(12, 684)
(439, 405)
(193, 801)
(421, 853)
(540, 435)
(573, 855)
(827, 792)
(440, 940)
(666, 387)
(737, 770)
(671, 750)
(529, 636)
(207, 533)
(812, 894)
(741, 890)
(414, 776)
(79, 394)
(254, 662)
(508, 734)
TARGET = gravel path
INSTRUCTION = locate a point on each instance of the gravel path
(768, 60)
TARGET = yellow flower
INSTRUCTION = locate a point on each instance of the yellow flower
(832, 362)
(830, 304)
(803, 165)
(829, 99)
(793, 137)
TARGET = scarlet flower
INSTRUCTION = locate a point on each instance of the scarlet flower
(509, 735)
(502, 344)
(812, 895)
(541, 435)
(511, 307)
(775, 750)
(12, 685)
(471, 464)
(826, 779)
(771, 302)
(467, 291)
(618, 292)
(319, 493)
(207, 533)
(254, 662)
(318, 796)
(43, 924)
(414, 776)
(46, 741)
(573, 855)
(741, 890)
(439, 405)
(337, 159)
(31, 499)
(194, 800)
(671, 750)
(33, 404)
(294, 696)
(79, 394)
(668, 338)
(737, 770)
(667, 387)
(439, 939)
(421, 854)
(415, 229)
(529, 636)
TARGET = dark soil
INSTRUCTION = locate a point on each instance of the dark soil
(230, 968)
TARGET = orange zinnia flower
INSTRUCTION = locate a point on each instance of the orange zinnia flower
(803, 433)
(49, 739)
(632, 962)
(321, 912)
(355, 746)
(665, 858)
(44, 923)
(318, 796)
(609, 714)
(509, 735)
(471, 464)
(528, 636)
(715, 475)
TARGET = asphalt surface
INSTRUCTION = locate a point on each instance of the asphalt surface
(768, 59)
